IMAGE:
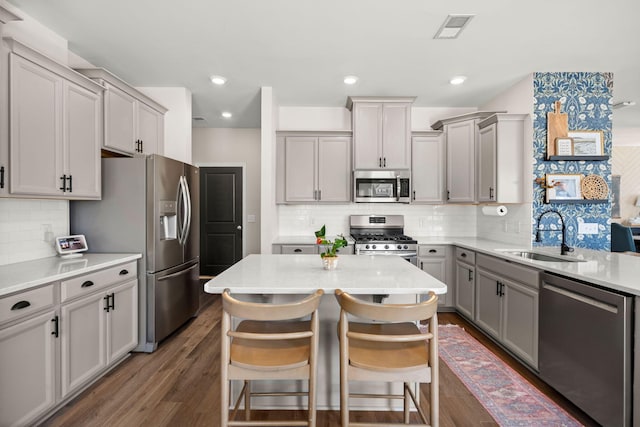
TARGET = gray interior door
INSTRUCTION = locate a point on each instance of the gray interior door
(220, 218)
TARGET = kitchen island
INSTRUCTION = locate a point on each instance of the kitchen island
(285, 278)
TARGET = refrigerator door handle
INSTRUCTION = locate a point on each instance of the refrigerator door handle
(187, 197)
(178, 210)
(179, 273)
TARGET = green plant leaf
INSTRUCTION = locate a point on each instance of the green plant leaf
(321, 232)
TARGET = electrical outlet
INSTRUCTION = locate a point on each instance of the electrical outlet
(587, 228)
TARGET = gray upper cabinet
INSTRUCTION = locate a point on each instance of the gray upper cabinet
(381, 132)
(427, 167)
(461, 135)
(55, 129)
(501, 158)
(314, 168)
(133, 122)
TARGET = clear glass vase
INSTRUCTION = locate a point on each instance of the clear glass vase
(330, 262)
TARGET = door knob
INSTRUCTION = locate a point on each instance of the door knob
(239, 227)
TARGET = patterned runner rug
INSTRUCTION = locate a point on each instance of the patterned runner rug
(507, 396)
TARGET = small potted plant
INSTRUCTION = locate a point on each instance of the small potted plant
(329, 255)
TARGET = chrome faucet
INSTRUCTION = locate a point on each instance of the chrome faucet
(564, 248)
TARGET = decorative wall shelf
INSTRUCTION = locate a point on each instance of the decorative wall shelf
(577, 158)
(578, 201)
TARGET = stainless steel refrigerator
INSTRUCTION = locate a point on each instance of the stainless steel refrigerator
(150, 205)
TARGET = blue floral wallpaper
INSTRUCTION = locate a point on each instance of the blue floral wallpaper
(586, 97)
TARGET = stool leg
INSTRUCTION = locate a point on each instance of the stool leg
(407, 406)
(247, 400)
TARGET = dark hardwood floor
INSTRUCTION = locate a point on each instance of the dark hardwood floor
(178, 385)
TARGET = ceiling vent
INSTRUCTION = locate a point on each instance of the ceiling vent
(199, 119)
(453, 26)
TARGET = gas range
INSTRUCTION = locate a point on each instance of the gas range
(381, 235)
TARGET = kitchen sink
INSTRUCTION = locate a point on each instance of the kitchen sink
(536, 256)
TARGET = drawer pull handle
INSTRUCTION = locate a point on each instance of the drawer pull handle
(123, 272)
(432, 251)
(297, 250)
(20, 305)
(463, 254)
(87, 284)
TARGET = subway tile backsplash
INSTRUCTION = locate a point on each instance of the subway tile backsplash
(420, 220)
(27, 228)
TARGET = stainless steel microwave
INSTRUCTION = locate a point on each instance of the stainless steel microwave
(380, 186)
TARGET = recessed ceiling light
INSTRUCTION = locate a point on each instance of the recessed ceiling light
(226, 114)
(218, 80)
(457, 80)
(350, 80)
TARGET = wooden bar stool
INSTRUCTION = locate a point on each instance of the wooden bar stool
(272, 342)
(392, 350)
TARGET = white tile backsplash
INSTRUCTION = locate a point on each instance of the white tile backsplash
(513, 228)
(24, 224)
(419, 220)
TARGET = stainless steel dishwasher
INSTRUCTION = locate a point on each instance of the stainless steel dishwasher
(585, 347)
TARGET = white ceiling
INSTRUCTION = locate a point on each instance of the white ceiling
(304, 48)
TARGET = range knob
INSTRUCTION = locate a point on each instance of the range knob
(366, 247)
(399, 246)
(386, 246)
(373, 247)
(406, 247)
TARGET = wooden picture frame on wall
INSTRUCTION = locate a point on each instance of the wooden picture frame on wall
(563, 187)
(587, 142)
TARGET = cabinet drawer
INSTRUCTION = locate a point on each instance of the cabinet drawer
(16, 306)
(466, 255)
(88, 283)
(432, 250)
(299, 249)
(510, 270)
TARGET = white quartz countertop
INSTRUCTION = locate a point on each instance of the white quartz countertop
(28, 274)
(303, 274)
(613, 270)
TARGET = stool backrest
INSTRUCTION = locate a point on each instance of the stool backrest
(261, 311)
(388, 312)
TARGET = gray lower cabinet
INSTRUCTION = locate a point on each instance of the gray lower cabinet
(27, 370)
(465, 284)
(58, 338)
(293, 249)
(436, 261)
(507, 296)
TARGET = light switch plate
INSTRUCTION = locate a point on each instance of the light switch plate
(587, 228)
(251, 218)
